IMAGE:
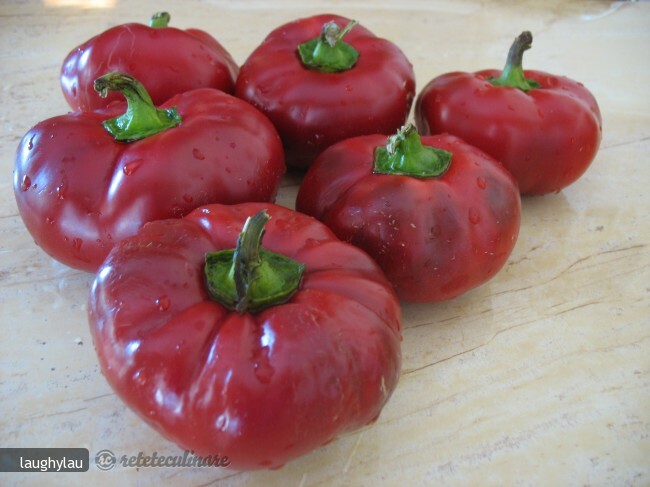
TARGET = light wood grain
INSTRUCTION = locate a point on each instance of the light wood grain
(540, 377)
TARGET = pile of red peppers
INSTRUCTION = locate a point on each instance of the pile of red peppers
(238, 327)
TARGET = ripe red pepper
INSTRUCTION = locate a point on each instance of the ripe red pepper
(544, 129)
(83, 181)
(166, 60)
(438, 215)
(323, 79)
(260, 354)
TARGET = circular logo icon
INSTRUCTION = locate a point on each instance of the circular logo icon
(105, 460)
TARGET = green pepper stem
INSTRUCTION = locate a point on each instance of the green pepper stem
(141, 119)
(328, 52)
(404, 154)
(513, 72)
(159, 19)
(249, 278)
(332, 33)
(246, 259)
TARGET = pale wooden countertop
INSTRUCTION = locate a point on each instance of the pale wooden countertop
(540, 377)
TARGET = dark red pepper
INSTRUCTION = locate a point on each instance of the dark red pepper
(544, 129)
(166, 60)
(85, 180)
(261, 354)
(439, 216)
(323, 79)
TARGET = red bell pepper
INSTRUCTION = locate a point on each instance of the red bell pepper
(323, 79)
(438, 215)
(166, 60)
(85, 180)
(259, 354)
(545, 129)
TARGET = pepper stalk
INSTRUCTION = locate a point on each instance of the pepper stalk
(142, 118)
(404, 154)
(159, 19)
(513, 72)
(250, 278)
(328, 52)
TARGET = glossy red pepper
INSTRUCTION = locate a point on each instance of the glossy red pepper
(438, 215)
(166, 60)
(545, 129)
(323, 79)
(259, 355)
(82, 182)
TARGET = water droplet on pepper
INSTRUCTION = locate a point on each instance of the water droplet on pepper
(198, 154)
(263, 369)
(61, 190)
(474, 216)
(131, 166)
(26, 183)
(162, 303)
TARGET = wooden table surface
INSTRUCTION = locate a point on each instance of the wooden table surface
(539, 377)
